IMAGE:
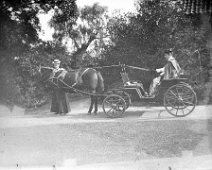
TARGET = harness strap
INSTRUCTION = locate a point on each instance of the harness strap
(86, 71)
(80, 91)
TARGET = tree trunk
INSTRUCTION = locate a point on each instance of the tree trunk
(77, 56)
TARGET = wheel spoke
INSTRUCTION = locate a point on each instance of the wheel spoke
(109, 103)
(185, 106)
(189, 97)
(172, 102)
(173, 93)
(109, 110)
(177, 109)
(172, 97)
(178, 93)
(188, 109)
(184, 101)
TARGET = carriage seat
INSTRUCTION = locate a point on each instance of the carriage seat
(131, 84)
(128, 82)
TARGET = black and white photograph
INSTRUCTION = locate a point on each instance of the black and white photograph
(106, 85)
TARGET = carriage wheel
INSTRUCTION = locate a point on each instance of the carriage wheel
(180, 100)
(114, 106)
(125, 96)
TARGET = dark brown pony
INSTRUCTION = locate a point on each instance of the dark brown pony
(85, 78)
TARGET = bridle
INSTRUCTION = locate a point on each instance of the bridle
(44, 77)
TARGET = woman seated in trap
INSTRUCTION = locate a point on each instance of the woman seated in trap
(169, 71)
(60, 101)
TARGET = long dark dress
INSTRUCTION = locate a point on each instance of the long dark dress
(60, 102)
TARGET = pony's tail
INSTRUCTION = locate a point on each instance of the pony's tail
(101, 85)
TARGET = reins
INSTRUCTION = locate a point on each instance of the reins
(79, 91)
(122, 66)
(69, 87)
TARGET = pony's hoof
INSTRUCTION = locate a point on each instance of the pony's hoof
(95, 113)
(89, 113)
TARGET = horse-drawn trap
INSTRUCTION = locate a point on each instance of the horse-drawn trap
(176, 95)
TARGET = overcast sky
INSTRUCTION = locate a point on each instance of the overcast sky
(123, 5)
(113, 5)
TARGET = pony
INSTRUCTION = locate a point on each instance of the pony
(75, 80)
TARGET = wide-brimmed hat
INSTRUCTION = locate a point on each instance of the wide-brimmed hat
(56, 61)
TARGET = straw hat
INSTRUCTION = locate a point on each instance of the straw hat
(56, 61)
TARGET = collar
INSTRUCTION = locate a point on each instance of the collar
(171, 58)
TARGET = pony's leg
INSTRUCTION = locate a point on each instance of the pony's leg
(96, 104)
(91, 106)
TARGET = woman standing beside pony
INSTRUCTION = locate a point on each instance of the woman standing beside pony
(66, 81)
(60, 102)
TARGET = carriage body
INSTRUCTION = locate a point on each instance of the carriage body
(176, 95)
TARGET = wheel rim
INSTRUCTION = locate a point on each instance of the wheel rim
(114, 106)
(180, 100)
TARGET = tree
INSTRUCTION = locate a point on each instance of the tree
(139, 39)
(19, 24)
(89, 32)
(203, 10)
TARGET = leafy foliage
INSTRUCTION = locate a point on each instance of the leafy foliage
(21, 49)
(135, 39)
(139, 39)
(86, 34)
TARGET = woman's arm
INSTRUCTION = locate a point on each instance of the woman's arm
(161, 71)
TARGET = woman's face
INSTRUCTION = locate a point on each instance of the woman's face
(56, 65)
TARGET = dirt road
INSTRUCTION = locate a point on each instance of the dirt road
(39, 139)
